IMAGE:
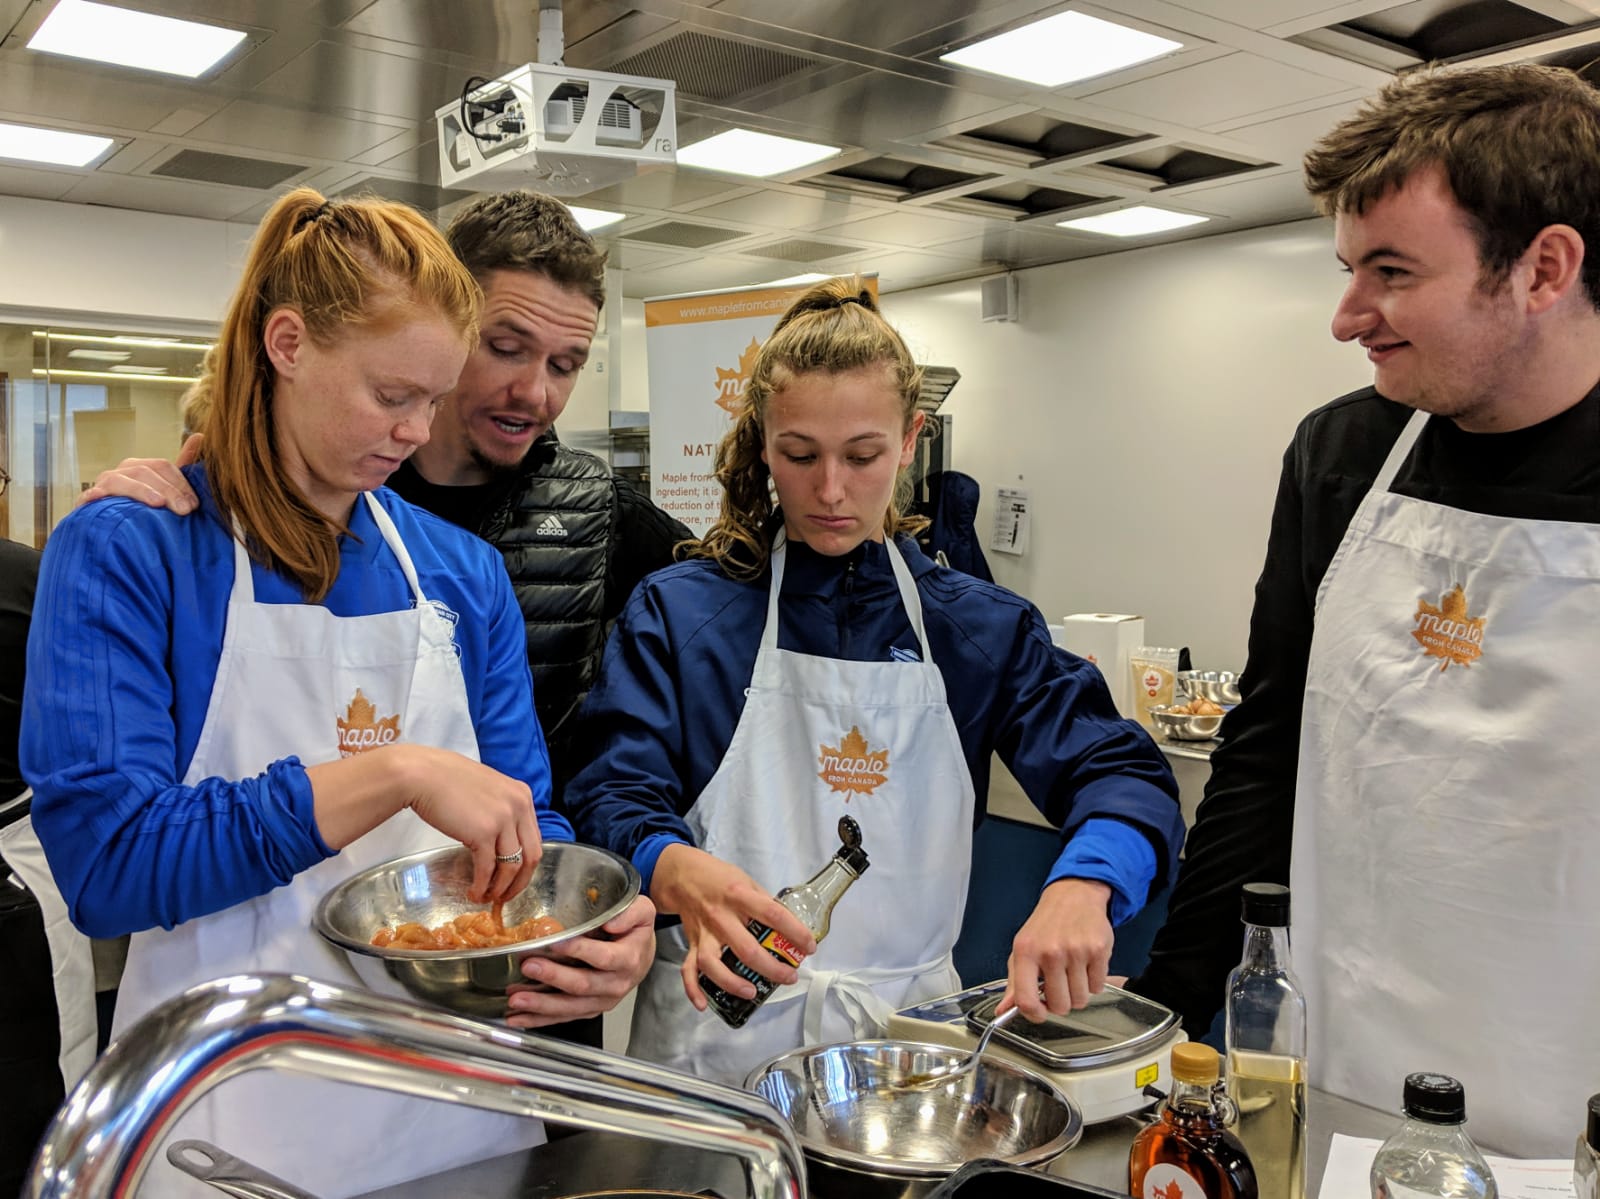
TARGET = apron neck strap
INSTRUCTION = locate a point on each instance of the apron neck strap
(902, 578)
(1400, 450)
(244, 584)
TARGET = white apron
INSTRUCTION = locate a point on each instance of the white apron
(71, 957)
(1447, 819)
(821, 738)
(287, 683)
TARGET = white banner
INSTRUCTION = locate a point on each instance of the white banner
(701, 350)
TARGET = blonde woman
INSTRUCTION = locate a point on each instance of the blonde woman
(229, 713)
(811, 630)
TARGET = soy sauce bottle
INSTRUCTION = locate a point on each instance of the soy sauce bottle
(1188, 1153)
(812, 901)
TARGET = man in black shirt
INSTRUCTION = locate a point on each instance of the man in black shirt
(1412, 746)
(575, 538)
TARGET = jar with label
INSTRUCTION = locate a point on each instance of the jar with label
(1189, 1153)
(1155, 680)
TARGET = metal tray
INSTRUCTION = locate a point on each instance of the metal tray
(1117, 1026)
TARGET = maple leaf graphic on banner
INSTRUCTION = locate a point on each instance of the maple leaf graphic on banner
(853, 766)
(1448, 632)
(731, 384)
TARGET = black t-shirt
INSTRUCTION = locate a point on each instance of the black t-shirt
(1550, 471)
(464, 506)
(19, 576)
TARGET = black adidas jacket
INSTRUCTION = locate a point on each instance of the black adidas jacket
(576, 540)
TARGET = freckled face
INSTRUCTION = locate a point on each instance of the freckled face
(348, 413)
(834, 442)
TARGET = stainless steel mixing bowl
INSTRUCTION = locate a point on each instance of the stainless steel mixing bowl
(863, 1136)
(1219, 686)
(581, 886)
(1184, 727)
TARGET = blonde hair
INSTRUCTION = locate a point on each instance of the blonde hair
(834, 327)
(364, 264)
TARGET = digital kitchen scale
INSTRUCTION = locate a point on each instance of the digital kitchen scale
(1103, 1056)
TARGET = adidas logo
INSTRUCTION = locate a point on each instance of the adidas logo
(550, 527)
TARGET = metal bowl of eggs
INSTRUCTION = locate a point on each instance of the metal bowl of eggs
(1180, 725)
(869, 1130)
(1219, 686)
(579, 887)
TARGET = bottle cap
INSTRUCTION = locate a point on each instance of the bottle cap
(1195, 1063)
(1435, 1099)
(1266, 904)
(854, 859)
(1592, 1132)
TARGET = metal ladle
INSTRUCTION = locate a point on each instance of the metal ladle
(917, 1082)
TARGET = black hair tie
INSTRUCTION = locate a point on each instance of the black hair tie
(316, 214)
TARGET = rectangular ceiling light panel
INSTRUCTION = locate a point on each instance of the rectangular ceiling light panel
(590, 219)
(746, 152)
(125, 38)
(54, 146)
(1062, 49)
(1134, 222)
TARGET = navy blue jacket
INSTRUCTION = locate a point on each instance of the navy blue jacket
(671, 691)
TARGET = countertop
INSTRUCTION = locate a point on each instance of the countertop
(597, 1161)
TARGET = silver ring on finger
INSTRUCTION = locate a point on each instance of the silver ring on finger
(509, 859)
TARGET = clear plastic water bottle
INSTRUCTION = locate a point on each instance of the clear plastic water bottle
(1432, 1155)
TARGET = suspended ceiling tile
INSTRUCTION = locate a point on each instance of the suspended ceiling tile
(175, 196)
(876, 107)
(1256, 14)
(705, 274)
(662, 190)
(1011, 247)
(61, 96)
(329, 77)
(712, 68)
(1222, 89)
(877, 25)
(1280, 197)
(626, 256)
(36, 185)
(283, 129)
(1286, 139)
(504, 31)
(901, 228)
(782, 210)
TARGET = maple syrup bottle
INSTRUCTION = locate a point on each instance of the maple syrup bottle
(813, 902)
(1188, 1153)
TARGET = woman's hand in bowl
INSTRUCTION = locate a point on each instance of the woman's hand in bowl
(490, 813)
(592, 975)
(715, 900)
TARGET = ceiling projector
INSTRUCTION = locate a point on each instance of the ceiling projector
(556, 129)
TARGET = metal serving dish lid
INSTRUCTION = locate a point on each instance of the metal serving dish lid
(1116, 1027)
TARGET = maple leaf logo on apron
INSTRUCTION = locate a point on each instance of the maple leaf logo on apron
(1447, 631)
(853, 767)
(361, 730)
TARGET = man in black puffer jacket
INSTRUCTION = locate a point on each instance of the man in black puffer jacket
(575, 538)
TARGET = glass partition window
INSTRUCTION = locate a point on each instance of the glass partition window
(76, 401)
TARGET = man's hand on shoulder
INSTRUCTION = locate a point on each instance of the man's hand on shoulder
(152, 481)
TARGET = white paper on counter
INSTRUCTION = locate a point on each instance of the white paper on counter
(1350, 1167)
